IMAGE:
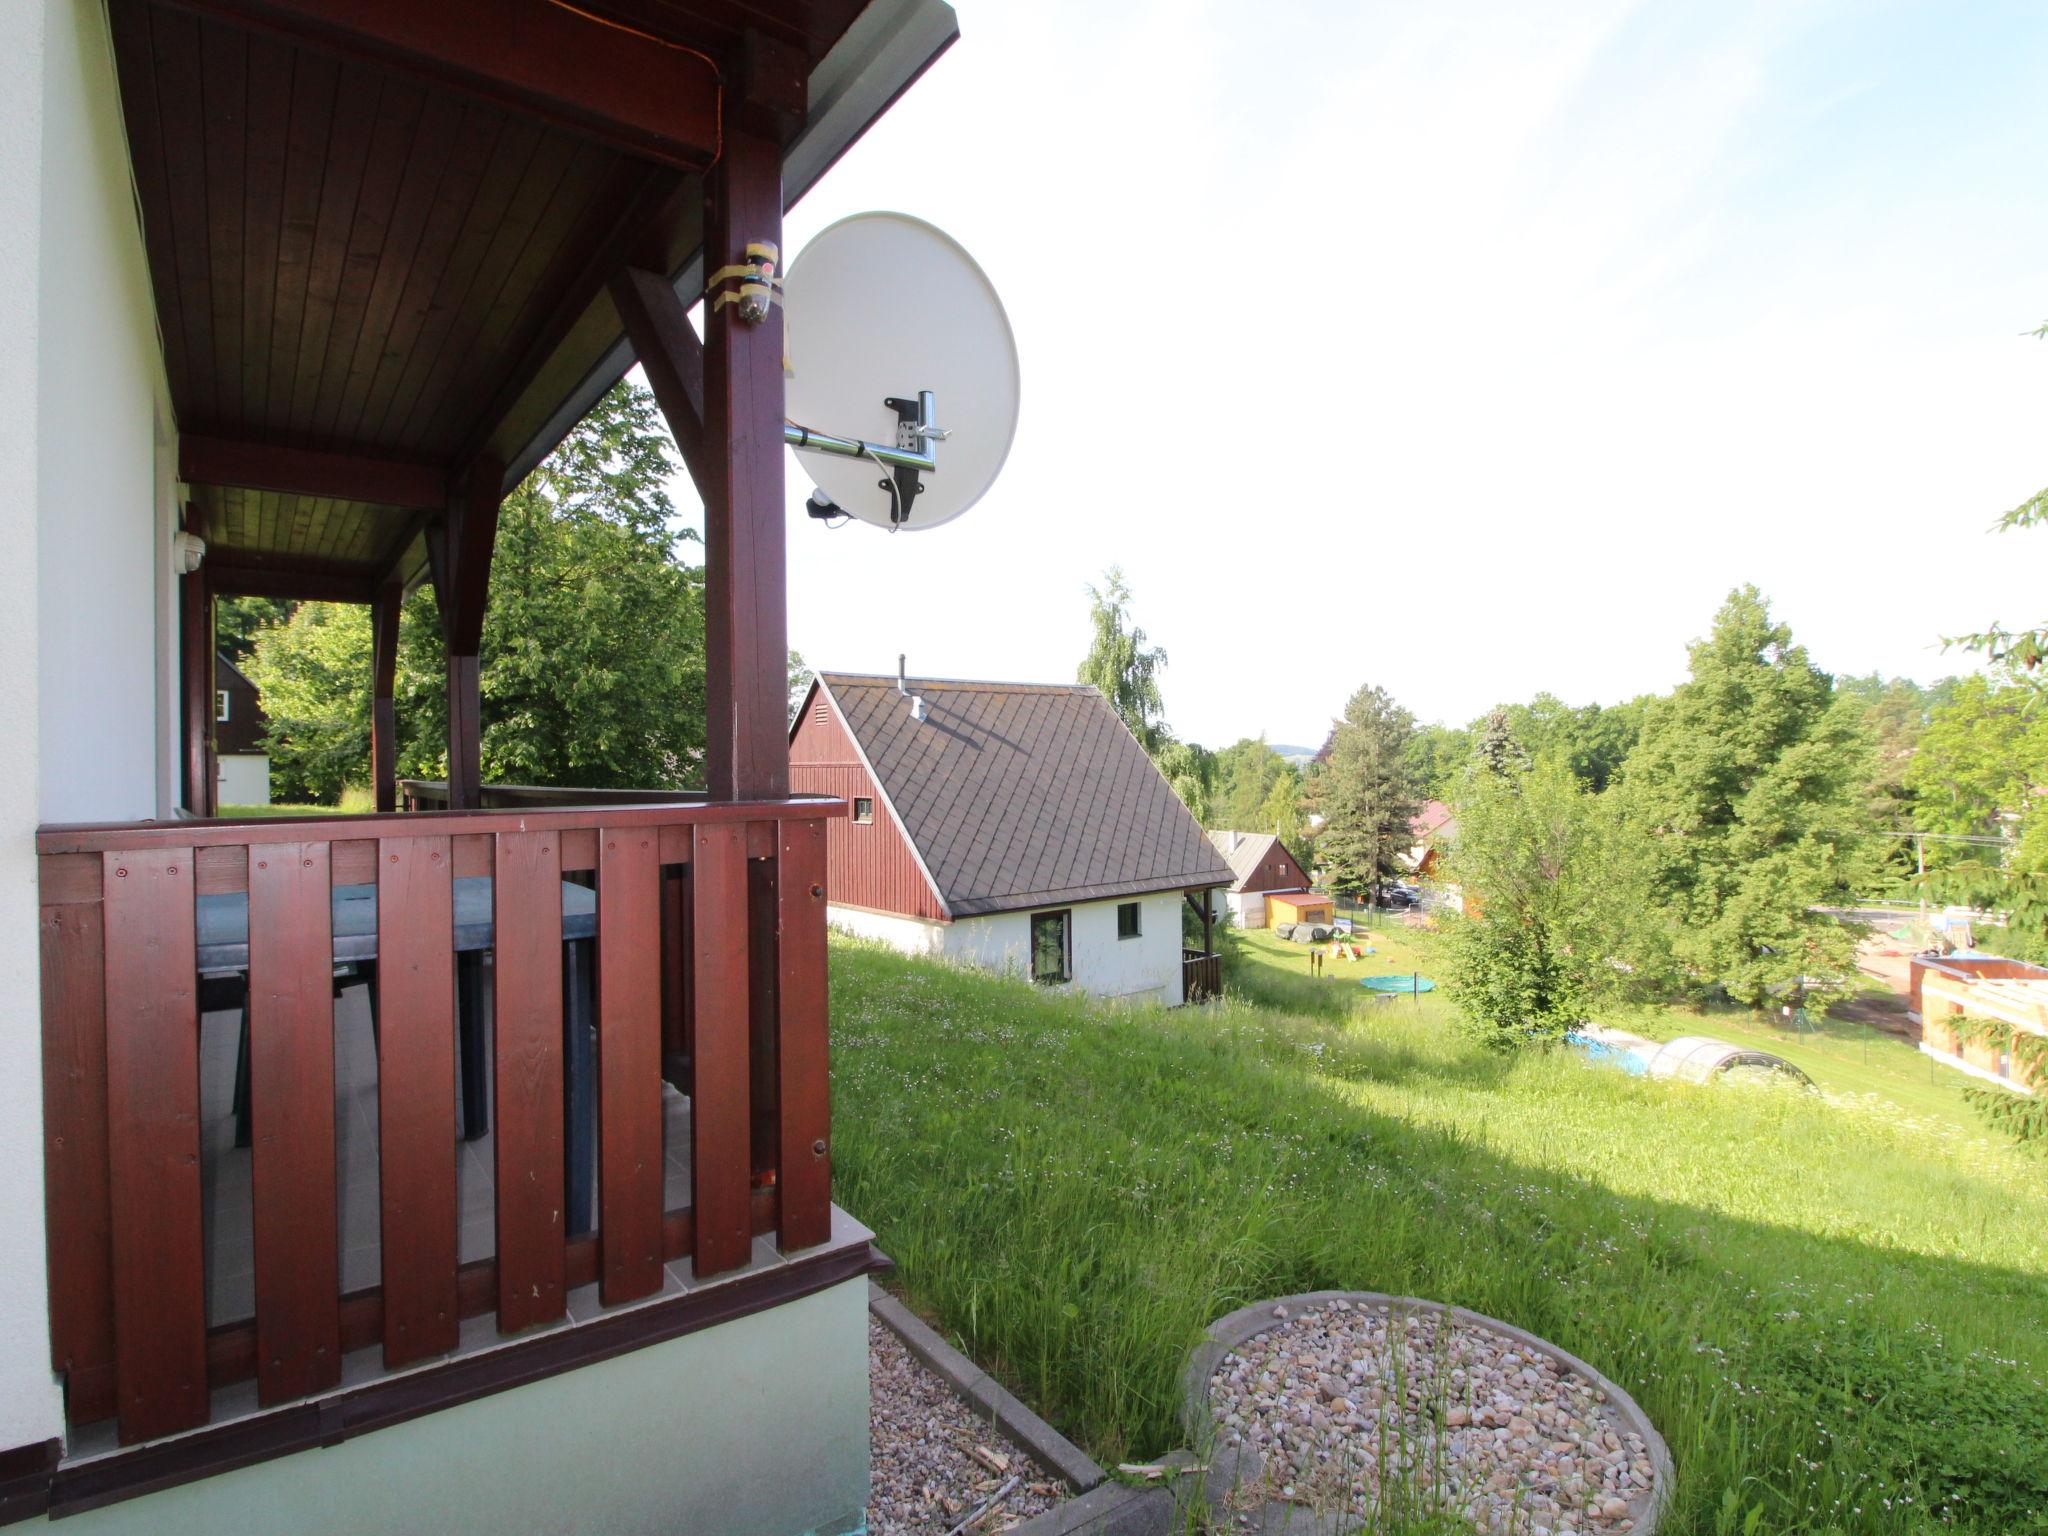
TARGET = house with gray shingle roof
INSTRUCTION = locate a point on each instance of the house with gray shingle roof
(1018, 827)
(1262, 866)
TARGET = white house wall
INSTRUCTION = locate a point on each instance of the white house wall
(102, 468)
(85, 449)
(1242, 909)
(699, 1434)
(1144, 969)
(244, 778)
(29, 1408)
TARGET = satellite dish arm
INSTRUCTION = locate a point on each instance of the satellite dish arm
(911, 450)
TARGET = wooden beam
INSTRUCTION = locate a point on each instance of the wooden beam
(618, 85)
(303, 472)
(658, 324)
(462, 565)
(746, 617)
(384, 612)
(459, 551)
(242, 573)
(195, 616)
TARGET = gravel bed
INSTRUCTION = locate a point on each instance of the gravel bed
(1467, 1420)
(925, 1476)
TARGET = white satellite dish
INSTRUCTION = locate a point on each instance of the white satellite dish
(891, 329)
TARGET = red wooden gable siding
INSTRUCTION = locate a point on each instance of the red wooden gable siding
(867, 865)
(1278, 871)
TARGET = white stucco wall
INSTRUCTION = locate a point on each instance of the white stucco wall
(83, 424)
(1242, 909)
(102, 409)
(759, 1425)
(1144, 969)
(29, 1408)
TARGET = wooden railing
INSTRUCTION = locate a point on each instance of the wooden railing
(432, 795)
(1201, 976)
(708, 919)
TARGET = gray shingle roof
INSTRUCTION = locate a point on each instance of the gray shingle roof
(1024, 794)
(1245, 858)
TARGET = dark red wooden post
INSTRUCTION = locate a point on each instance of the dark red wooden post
(383, 684)
(746, 622)
(460, 555)
(195, 635)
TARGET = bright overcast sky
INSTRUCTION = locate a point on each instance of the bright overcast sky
(1471, 350)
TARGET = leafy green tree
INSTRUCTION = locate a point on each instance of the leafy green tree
(1743, 784)
(592, 663)
(1190, 769)
(1437, 758)
(1246, 772)
(1980, 759)
(1282, 814)
(314, 675)
(1550, 885)
(799, 682)
(1366, 792)
(237, 619)
(1591, 739)
(1498, 754)
(1121, 665)
(1981, 769)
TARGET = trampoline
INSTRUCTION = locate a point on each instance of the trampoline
(1398, 984)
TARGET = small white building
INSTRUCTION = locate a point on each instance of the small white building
(1019, 827)
(1261, 864)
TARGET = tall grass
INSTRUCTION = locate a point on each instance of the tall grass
(1834, 1313)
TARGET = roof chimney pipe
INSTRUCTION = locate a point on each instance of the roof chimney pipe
(917, 706)
(902, 677)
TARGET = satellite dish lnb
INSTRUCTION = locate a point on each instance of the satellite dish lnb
(902, 392)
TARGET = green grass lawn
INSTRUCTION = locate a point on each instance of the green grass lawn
(1834, 1305)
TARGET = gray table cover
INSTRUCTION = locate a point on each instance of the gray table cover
(224, 922)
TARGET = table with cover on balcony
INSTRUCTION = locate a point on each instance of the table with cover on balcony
(223, 950)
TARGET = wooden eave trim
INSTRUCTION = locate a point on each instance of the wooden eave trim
(307, 472)
(411, 1394)
(838, 117)
(651, 97)
(248, 831)
(882, 794)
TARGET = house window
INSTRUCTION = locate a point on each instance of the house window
(1127, 920)
(220, 704)
(863, 809)
(1050, 951)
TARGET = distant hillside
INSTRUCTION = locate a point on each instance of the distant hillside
(1301, 757)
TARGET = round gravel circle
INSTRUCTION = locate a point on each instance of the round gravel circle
(1322, 1410)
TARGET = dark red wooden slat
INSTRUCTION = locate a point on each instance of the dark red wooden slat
(416, 1095)
(159, 1280)
(629, 1062)
(291, 1117)
(75, 1141)
(803, 1069)
(527, 1023)
(719, 1107)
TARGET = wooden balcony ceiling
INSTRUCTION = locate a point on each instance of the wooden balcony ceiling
(378, 235)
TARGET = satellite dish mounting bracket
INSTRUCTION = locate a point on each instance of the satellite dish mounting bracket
(914, 452)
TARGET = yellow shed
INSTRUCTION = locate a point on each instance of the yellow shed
(1300, 907)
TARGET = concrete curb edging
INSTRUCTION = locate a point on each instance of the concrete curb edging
(1228, 1332)
(981, 1392)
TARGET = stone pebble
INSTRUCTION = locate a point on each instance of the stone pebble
(923, 1478)
(1358, 1408)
